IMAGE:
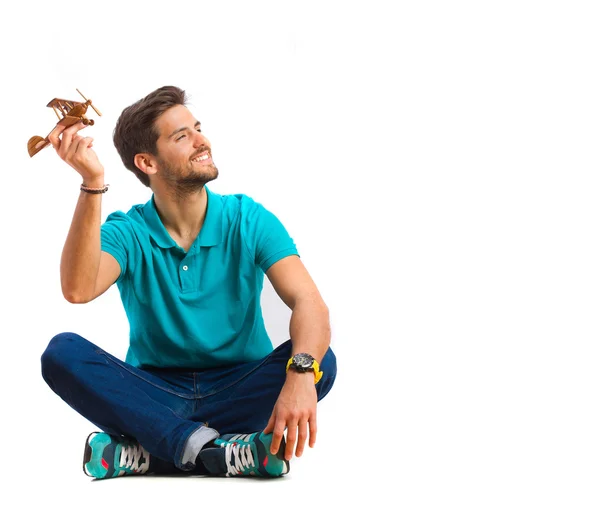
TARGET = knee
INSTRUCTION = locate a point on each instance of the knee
(60, 351)
(329, 369)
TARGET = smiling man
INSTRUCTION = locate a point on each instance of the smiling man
(201, 389)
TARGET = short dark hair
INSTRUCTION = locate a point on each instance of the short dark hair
(135, 131)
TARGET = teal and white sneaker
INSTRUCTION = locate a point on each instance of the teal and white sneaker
(245, 455)
(109, 456)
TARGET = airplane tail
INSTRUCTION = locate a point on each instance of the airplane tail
(36, 144)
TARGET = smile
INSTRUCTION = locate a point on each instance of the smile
(200, 158)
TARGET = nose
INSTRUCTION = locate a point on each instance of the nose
(199, 139)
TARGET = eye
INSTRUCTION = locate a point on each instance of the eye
(179, 138)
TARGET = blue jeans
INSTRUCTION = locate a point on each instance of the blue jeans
(161, 408)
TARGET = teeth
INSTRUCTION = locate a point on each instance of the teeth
(203, 157)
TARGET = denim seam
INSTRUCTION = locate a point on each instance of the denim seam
(213, 392)
(193, 396)
(117, 362)
(261, 363)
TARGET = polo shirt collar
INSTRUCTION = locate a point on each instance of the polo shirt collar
(210, 234)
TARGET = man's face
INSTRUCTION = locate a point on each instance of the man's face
(184, 154)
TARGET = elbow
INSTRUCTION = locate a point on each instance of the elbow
(320, 309)
(75, 297)
(320, 304)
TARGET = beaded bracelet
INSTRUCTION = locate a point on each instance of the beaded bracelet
(94, 190)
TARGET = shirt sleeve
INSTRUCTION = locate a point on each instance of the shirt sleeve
(115, 237)
(265, 236)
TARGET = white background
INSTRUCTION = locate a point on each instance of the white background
(436, 164)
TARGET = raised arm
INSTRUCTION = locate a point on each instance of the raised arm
(85, 271)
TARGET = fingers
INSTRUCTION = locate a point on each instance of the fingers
(55, 138)
(270, 425)
(296, 411)
(297, 432)
(291, 440)
(62, 144)
(302, 433)
(78, 146)
(69, 136)
(277, 435)
(76, 150)
(312, 423)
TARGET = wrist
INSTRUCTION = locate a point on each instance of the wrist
(93, 178)
(295, 376)
(97, 182)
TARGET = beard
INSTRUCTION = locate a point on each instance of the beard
(183, 182)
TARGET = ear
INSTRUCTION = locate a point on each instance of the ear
(146, 163)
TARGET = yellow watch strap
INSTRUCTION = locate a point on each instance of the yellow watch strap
(318, 373)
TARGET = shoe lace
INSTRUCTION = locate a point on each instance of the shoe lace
(238, 458)
(131, 456)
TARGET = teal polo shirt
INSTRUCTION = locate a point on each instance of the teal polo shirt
(199, 309)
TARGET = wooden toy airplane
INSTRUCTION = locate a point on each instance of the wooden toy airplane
(68, 112)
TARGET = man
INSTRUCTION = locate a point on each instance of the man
(201, 390)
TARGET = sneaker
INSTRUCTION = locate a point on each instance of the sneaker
(245, 455)
(109, 456)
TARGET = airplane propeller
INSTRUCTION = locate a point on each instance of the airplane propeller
(89, 102)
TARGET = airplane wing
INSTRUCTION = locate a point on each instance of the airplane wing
(60, 102)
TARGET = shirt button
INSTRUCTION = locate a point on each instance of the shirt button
(185, 268)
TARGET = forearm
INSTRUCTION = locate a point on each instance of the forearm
(296, 406)
(81, 253)
(310, 329)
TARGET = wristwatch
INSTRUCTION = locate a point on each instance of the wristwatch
(304, 363)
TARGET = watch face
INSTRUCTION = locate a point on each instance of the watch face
(303, 360)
